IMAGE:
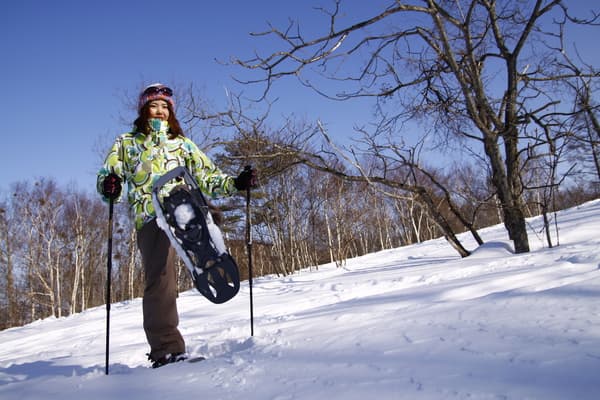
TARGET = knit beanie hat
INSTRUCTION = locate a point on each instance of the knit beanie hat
(156, 91)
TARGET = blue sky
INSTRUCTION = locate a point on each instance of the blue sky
(66, 65)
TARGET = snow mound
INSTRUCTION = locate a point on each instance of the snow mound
(493, 249)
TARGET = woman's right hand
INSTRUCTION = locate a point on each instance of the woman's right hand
(111, 187)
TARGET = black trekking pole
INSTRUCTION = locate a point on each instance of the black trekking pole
(249, 247)
(108, 279)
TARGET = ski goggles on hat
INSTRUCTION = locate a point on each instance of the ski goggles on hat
(161, 90)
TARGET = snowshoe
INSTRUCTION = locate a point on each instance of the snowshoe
(182, 212)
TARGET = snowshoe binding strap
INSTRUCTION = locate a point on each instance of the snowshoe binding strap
(193, 230)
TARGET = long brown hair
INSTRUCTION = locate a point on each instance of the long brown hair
(141, 123)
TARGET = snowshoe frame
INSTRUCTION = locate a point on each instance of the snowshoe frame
(215, 276)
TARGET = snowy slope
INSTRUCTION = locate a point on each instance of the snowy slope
(412, 323)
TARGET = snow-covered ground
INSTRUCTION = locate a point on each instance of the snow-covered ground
(412, 323)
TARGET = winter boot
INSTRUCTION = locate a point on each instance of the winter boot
(167, 359)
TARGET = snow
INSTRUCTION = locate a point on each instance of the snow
(184, 213)
(411, 323)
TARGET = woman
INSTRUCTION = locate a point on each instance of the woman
(156, 145)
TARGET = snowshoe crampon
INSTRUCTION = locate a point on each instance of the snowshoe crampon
(183, 214)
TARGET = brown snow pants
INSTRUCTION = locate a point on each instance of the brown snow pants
(160, 293)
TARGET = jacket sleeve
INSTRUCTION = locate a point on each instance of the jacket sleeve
(212, 181)
(113, 164)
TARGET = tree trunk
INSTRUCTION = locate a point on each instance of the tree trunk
(508, 190)
(439, 219)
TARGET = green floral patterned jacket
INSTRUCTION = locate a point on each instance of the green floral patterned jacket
(140, 159)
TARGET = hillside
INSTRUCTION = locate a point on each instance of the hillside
(411, 323)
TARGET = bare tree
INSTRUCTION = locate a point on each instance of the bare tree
(477, 71)
(7, 269)
(584, 128)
